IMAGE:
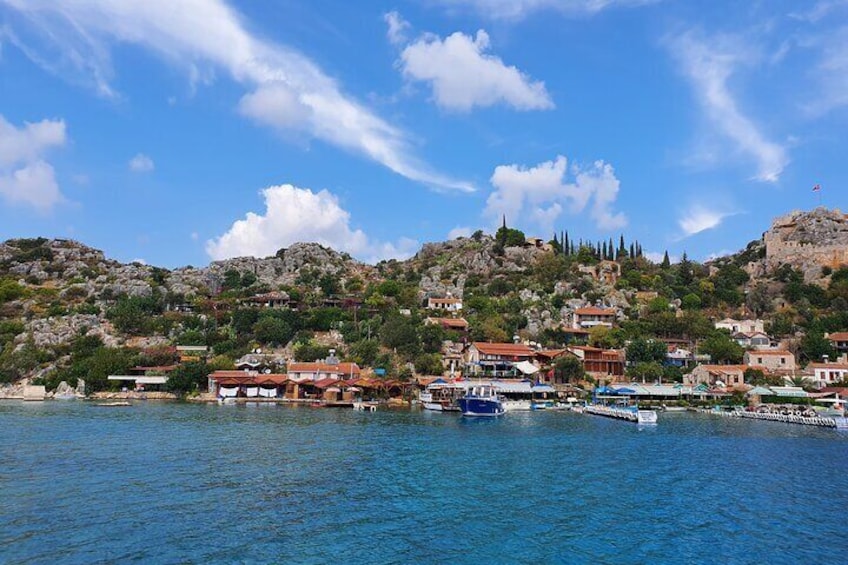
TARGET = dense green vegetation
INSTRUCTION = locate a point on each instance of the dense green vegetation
(382, 324)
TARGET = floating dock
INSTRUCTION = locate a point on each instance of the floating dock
(839, 423)
(643, 417)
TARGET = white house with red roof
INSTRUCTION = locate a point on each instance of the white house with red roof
(591, 316)
(496, 359)
(826, 374)
(448, 304)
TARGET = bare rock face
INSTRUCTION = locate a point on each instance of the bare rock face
(807, 241)
(285, 267)
(63, 329)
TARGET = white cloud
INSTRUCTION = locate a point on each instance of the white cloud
(709, 65)
(463, 75)
(699, 218)
(295, 214)
(718, 254)
(397, 28)
(81, 34)
(538, 195)
(459, 231)
(141, 163)
(139, 261)
(657, 257)
(517, 9)
(194, 236)
(25, 177)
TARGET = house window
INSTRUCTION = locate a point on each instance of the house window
(783, 360)
(759, 360)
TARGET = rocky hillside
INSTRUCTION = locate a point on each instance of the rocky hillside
(54, 291)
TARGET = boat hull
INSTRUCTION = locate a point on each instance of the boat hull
(481, 407)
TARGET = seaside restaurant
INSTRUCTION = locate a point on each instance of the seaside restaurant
(247, 384)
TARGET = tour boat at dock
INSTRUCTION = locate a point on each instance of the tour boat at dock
(481, 400)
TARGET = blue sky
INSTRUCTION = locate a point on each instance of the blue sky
(181, 131)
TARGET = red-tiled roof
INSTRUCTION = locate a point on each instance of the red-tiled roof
(340, 369)
(511, 349)
(453, 322)
(328, 382)
(551, 353)
(828, 366)
(445, 300)
(768, 352)
(594, 311)
(838, 336)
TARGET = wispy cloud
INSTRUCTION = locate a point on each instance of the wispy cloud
(464, 75)
(295, 214)
(518, 9)
(202, 36)
(700, 218)
(397, 28)
(708, 64)
(831, 71)
(542, 193)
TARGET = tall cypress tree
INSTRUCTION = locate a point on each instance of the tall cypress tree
(666, 263)
(632, 250)
(566, 244)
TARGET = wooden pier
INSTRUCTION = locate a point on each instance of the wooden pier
(839, 423)
(644, 417)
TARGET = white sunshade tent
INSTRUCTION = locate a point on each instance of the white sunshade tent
(526, 367)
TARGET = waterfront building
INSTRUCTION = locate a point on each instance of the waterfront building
(826, 374)
(496, 359)
(716, 375)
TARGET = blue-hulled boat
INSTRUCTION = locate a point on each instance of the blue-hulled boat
(481, 400)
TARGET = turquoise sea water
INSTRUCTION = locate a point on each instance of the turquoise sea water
(176, 483)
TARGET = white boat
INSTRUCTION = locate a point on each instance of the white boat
(441, 396)
(524, 395)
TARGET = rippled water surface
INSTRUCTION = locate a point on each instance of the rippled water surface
(176, 483)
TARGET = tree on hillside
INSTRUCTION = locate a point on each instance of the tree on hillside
(814, 346)
(641, 350)
(722, 349)
(568, 369)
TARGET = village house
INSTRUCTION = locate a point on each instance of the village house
(316, 371)
(772, 360)
(737, 326)
(752, 339)
(274, 299)
(455, 324)
(496, 359)
(716, 376)
(260, 362)
(448, 304)
(826, 374)
(839, 341)
(600, 362)
(679, 357)
(591, 316)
